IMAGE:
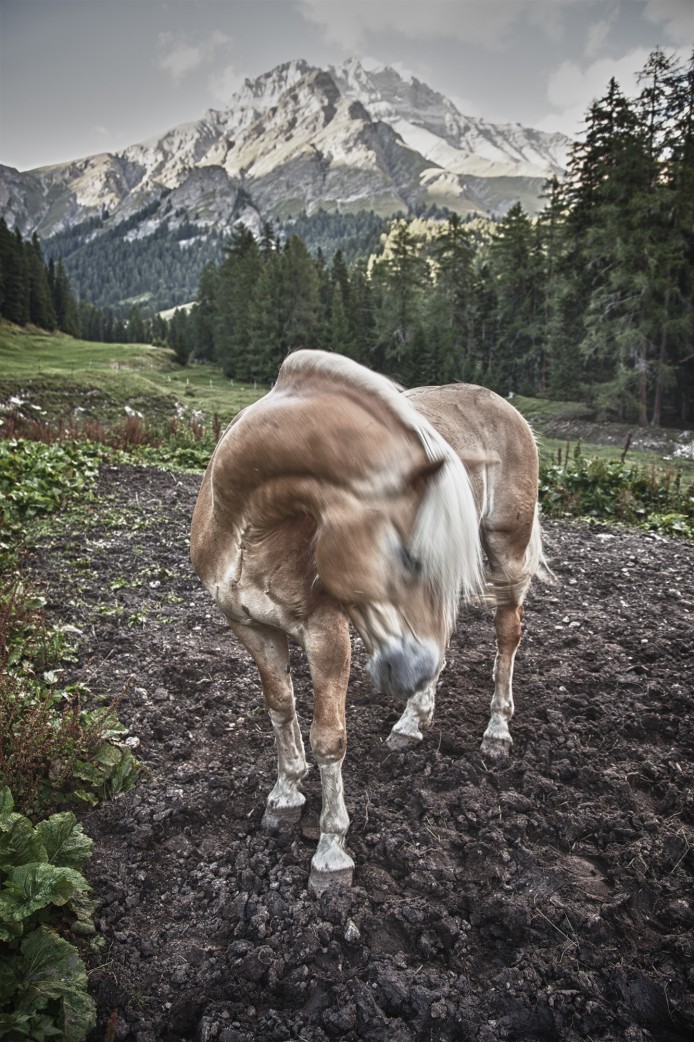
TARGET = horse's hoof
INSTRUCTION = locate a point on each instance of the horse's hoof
(319, 880)
(399, 742)
(277, 819)
(496, 748)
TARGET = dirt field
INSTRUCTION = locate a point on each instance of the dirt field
(550, 898)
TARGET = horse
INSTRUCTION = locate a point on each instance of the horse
(340, 497)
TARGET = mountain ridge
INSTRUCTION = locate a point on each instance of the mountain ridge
(298, 137)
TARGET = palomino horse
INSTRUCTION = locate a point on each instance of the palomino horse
(337, 497)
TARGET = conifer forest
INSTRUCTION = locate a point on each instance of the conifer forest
(592, 300)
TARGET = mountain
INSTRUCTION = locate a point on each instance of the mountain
(346, 139)
(357, 136)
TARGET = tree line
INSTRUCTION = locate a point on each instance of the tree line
(591, 301)
(39, 293)
(30, 290)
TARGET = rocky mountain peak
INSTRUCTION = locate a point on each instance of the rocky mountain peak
(359, 135)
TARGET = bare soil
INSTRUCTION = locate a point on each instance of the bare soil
(549, 898)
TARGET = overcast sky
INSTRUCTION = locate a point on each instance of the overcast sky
(85, 76)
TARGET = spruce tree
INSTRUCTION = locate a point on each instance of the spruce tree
(515, 269)
(64, 303)
(300, 297)
(399, 282)
(233, 291)
(14, 279)
(449, 303)
(41, 310)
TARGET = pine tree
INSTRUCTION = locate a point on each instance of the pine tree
(668, 101)
(266, 349)
(608, 174)
(515, 269)
(14, 281)
(204, 314)
(41, 310)
(449, 303)
(179, 336)
(64, 303)
(361, 316)
(300, 296)
(561, 370)
(341, 332)
(233, 290)
(399, 283)
(137, 333)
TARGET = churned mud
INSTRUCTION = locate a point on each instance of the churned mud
(547, 898)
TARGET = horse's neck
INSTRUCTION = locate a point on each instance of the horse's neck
(290, 452)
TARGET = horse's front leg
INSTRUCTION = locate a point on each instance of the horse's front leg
(417, 717)
(328, 651)
(497, 741)
(270, 652)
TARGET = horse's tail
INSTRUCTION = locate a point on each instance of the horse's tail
(535, 564)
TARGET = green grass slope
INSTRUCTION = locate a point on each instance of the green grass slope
(54, 375)
(58, 377)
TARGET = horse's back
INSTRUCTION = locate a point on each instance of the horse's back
(494, 442)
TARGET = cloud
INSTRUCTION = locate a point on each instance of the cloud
(597, 35)
(179, 56)
(349, 22)
(572, 89)
(676, 16)
(225, 83)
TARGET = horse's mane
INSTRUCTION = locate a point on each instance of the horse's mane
(446, 536)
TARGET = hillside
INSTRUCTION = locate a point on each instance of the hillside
(51, 377)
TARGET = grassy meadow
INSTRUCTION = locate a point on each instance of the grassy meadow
(58, 374)
(54, 375)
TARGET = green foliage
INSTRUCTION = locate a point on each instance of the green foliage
(53, 750)
(613, 490)
(37, 479)
(43, 980)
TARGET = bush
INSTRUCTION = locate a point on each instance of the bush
(43, 894)
(52, 750)
(612, 490)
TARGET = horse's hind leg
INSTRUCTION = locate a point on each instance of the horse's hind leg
(270, 652)
(508, 575)
(327, 646)
(497, 741)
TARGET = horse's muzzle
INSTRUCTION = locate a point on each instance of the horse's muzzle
(404, 667)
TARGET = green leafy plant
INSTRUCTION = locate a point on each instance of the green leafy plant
(38, 479)
(43, 898)
(614, 490)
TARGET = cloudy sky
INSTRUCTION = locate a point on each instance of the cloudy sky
(85, 76)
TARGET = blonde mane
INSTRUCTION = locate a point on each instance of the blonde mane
(446, 537)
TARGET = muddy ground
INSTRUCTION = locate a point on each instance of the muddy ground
(550, 898)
